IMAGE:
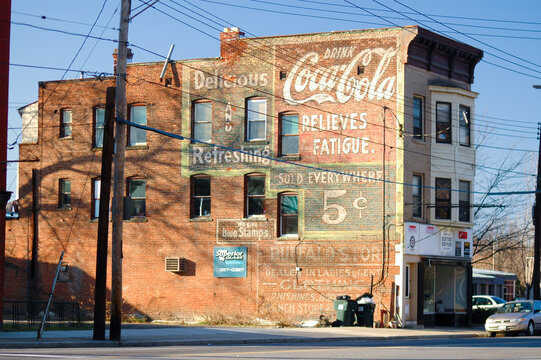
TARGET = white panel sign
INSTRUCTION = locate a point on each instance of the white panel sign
(411, 239)
(430, 240)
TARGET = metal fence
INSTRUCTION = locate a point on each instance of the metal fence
(30, 313)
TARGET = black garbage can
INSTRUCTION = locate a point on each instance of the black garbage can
(345, 310)
(364, 310)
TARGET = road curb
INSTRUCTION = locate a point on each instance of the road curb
(157, 343)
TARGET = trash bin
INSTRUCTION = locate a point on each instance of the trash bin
(364, 310)
(345, 310)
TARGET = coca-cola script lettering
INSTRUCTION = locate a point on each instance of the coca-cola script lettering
(336, 83)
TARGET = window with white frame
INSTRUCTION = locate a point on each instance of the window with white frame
(99, 125)
(65, 123)
(96, 188)
(137, 194)
(464, 128)
(443, 122)
(138, 115)
(64, 194)
(256, 119)
(202, 121)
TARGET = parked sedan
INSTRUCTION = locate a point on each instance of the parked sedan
(515, 316)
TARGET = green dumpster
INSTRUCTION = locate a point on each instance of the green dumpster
(345, 310)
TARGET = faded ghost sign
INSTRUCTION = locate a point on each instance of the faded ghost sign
(339, 83)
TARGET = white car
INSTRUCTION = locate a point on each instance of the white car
(515, 316)
(487, 302)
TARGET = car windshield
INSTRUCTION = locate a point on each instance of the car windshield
(516, 307)
(498, 300)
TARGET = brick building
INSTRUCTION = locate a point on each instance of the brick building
(310, 173)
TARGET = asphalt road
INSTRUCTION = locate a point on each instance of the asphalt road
(472, 348)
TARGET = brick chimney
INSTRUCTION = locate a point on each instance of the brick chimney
(115, 58)
(229, 44)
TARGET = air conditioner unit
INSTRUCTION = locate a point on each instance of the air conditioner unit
(174, 264)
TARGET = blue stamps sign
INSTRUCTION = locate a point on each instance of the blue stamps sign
(230, 261)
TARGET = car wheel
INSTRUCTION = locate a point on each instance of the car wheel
(491, 333)
(531, 329)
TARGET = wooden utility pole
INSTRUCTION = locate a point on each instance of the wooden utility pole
(118, 180)
(100, 291)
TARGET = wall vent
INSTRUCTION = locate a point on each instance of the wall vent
(174, 264)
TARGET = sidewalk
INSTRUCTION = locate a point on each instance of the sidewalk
(187, 335)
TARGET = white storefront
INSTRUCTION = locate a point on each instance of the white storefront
(435, 269)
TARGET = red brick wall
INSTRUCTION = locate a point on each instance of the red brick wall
(339, 253)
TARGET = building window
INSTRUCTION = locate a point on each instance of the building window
(200, 196)
(417, 195)
(465, 121)
(96, 188)
(443, 122)
(202, 121)
(256, 119)
(99, 124)
(417, 117)
(289, 134)
(464, 201)
(255, 195)
(509, 291)
(137, 194)
(64, 194)
(289, 214)
(65, 123)
(443, 198)
(138, 115)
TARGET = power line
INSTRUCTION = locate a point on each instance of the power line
(311, 167)
(213, 37)
(386, 24)
(106, 27)
(404, 97)
(312, 8)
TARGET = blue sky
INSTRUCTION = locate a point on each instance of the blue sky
(507, 102)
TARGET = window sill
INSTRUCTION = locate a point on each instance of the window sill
(256, 142)
(201, 219)
(289, 237)
(65, 138)
(137, 220)
(193, 144)
(256, 218)
(64, 208)
(290, 157)
(136, 147)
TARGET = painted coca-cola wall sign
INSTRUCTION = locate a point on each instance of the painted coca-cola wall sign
(331, 75)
